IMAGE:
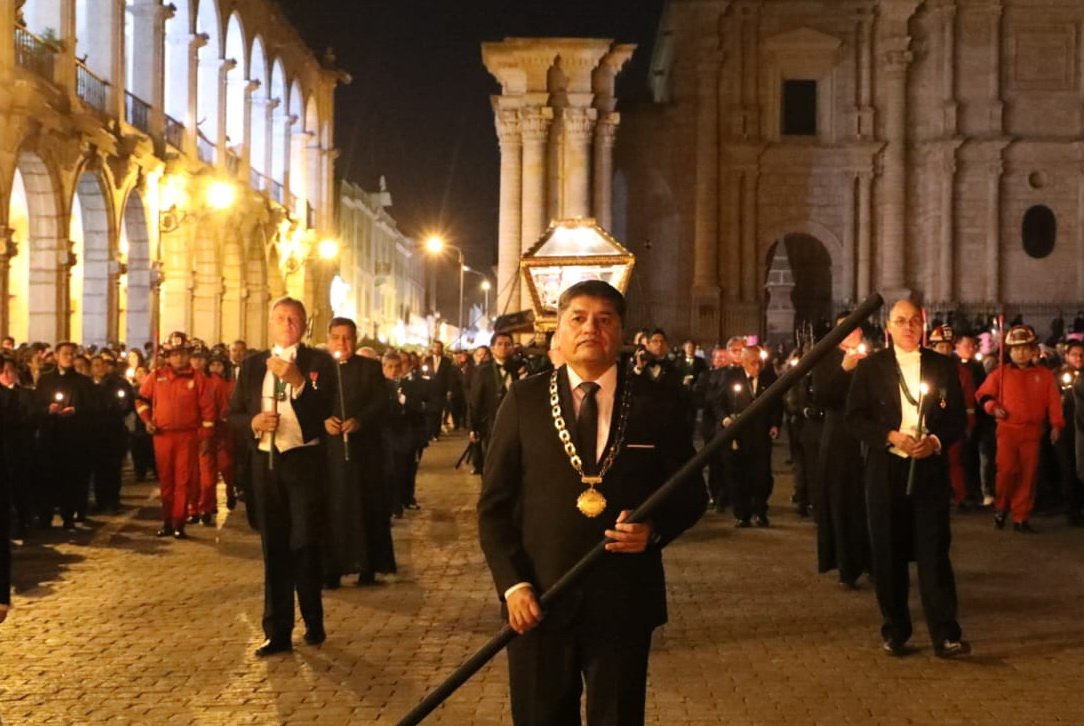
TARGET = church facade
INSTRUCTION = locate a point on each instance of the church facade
(798, 155)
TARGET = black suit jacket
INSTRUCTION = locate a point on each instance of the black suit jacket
(530, 528)
(736, 395)
(312, 406)
(873, 402)
(485, 398)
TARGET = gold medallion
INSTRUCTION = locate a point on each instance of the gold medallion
(591, 502)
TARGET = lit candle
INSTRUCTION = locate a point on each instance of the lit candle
(120, 393)
(923, 389)
(276, 351)
(764, 355)
(130, 374)
(978, 357)
(1067, 378)
(861, 349)
(342, 403)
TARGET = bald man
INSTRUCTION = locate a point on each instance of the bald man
(906, 405)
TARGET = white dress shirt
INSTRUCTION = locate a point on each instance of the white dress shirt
(604, 398)
(911, 366)
(288, 434)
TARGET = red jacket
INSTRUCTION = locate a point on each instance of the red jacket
(178, 401)
(222, 390)
(1030, 397)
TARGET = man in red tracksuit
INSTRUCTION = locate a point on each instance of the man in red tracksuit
(216, 456)
(1022, 405)
(178, 408)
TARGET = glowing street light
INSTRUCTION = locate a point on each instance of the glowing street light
(486, 286)
(328, 249)
(434, 245)
(221, 194)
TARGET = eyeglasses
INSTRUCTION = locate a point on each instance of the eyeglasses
(915, 322)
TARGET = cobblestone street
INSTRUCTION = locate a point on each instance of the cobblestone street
(111, 624)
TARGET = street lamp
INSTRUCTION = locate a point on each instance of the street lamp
(485, 288)
(435, 245)
(328, 249)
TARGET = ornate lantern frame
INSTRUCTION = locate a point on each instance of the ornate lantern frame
(572, 250)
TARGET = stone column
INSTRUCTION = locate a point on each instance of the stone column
(511, 197)
(602, 194)
(149, 22)
(993, 230)
(534, 124)
(750, 258)
(579, 126)
(706, 224)
(947, 247)
(864, 216)
(7, 68)
(896, 59)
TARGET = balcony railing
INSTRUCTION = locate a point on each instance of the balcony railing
(205, 150)
(257, 180)
(34, 54)
(91, 88)
(138, 112)
(174, 133)
(278, 193)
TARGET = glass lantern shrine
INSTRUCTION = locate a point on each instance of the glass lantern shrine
(571, 251)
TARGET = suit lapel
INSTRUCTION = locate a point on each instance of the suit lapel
(892, 377)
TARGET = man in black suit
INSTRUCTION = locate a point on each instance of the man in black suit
(491, 382)
(905, 403)
(545, 504)
(750, 458)
(442, 373)
(711, 388)
(282, 398)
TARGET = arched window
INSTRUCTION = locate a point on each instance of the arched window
(278, 125)
(1039, 231)
(236, 80)
(178, 38)
(258, 149)
(210, 81)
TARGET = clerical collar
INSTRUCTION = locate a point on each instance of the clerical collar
(904, 355)
(288, 353)
(607, 381)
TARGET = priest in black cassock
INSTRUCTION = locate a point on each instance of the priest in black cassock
(357, 537)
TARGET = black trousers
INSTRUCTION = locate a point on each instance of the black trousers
(108, 458)
(548, 669)
(750, 476)
(902, 527)
(287, 499)
(1072, 492)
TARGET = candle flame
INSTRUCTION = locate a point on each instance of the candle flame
(978, 357)
(861, 349)
(130, 373)
(737, 388)
(923, 389)
(793, 362)
(764, 355)
(59, 396)
(1068, 378)
(120, 393)
(337, 354)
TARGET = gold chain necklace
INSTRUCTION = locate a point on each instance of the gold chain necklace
(590, 502)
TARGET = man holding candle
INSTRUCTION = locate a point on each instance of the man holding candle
(907, 485)
(282, 399)
(65, 405)
(358, 536)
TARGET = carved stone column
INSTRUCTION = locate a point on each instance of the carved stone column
(534, 124)
(511, 197)
(602, 194)
(993, 230)
(896, 60)
(8, 249)
(864, 218)
(579, 126)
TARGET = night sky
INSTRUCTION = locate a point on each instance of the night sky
(418, 109)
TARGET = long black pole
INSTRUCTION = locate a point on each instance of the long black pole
(694, 465)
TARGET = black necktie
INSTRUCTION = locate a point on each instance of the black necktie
(587, 428)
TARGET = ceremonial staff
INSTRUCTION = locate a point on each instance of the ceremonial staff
(692, 467)
(342, 403)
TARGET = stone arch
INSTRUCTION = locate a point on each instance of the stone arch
(92, 286)
(236, 81)
(313, 192)
(36, 287)
(299, 139)
(135, 327)
(209, 88)
(279, 147)
(178, 56)
(258, 132)
(798, 286)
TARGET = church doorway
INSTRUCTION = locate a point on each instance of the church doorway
(797, 288)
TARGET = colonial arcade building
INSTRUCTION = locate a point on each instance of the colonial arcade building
(163, 165)
(797, 155)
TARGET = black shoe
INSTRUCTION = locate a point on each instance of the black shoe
(848, 585)
(193, 519)
(952, 648)
(166, 531)
(762, 521)
(273, 647)
(207, 520)
(315, 637)
(231, 501)
(69, 525)
(179, 533)
(999, 520)
(742, 524)
(803, 510)
(894, 648)
(1023, 528)
(331, 582)
(366, 579)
